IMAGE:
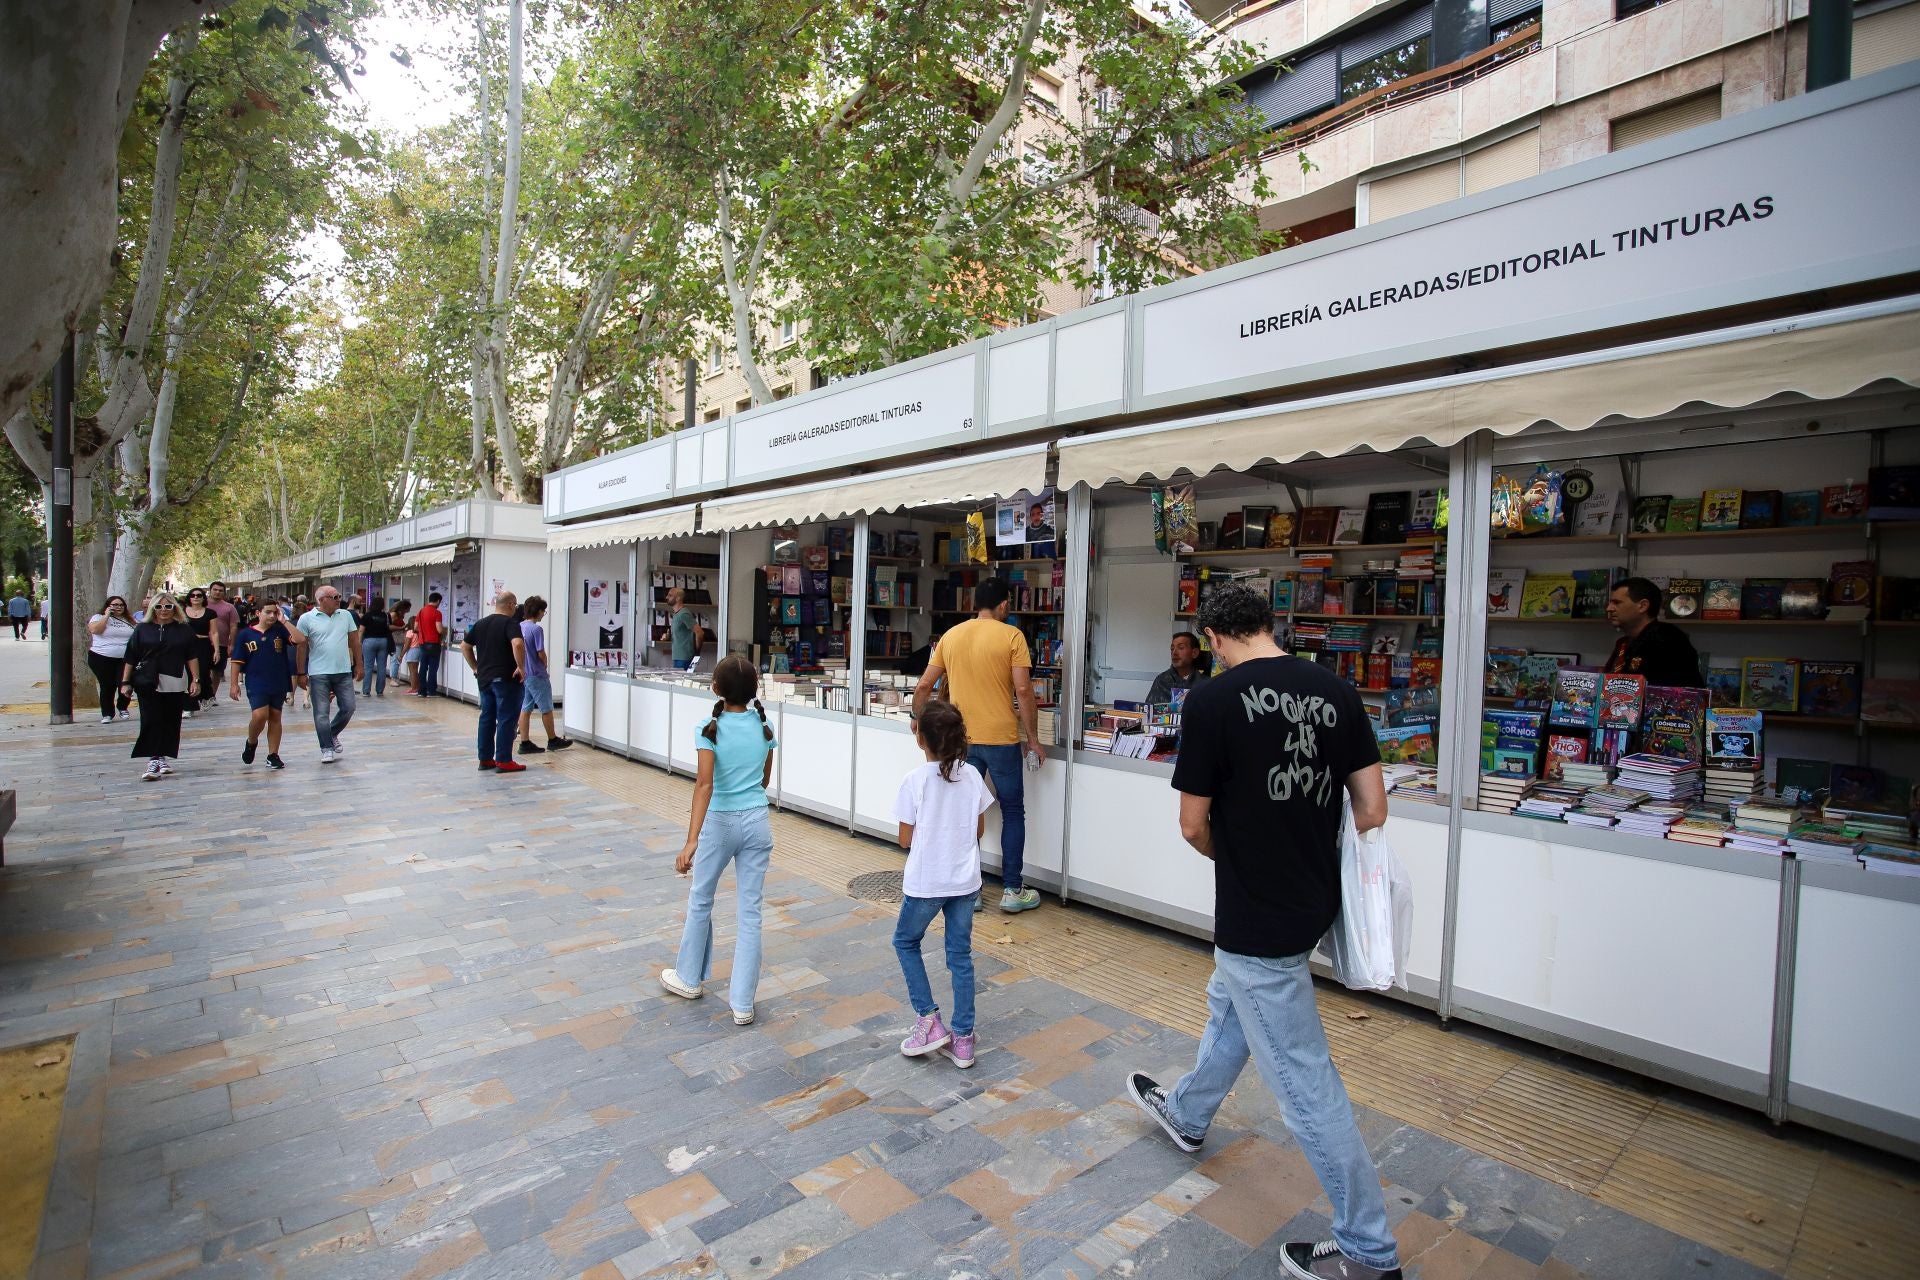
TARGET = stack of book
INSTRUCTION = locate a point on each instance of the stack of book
(1586, 815)
(1652, 818)
(1703, 831)
(1818, 842)
(1585, 774)
(1422, 784)
(1763, 824)
(1891, 860)
(1873, 825)
(1548, 800)
(1729, 786)
(1663, 777)
(1602, 806)
(1502, 792)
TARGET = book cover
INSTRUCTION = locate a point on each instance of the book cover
(1534, 677)
(1621, 700)
(1387, 515)
(906, 543)
(1256, 524)
(1723, 684)
(1733, 739)
(1316, 526)
(1407, 744)
(1349, 525)
(1800, 780)
(1283, 595)
(1426, 509)
(1650, 513)
(1310, 593)
(1425, 671)
(792, 581)
(839, 540)
(1684, 597)
(1893, 492)
(1562, 749)
(1803, 599)
(814, 558)
(1590, 590)
(1232, 531)
(1770, 684)
(790, 611)
(1503, 671)
(1889, 701)
(1576, 698)
(1719, 510)
(1282, 528)
(1800, 508)
(1683, 515)
(1829, 688)
(1523, 729)
(1547, 595)
(1760, 598)
(1504, 592)
(1674, 722)
(1722, 600)
(1760, 509)
(1843, 503)
(1850, 582)
(1597, 513)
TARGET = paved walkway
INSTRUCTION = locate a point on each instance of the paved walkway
(395, 1018)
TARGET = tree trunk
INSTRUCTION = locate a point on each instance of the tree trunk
(563, 396)
(500, 310)
(741, 281)
(477, 371)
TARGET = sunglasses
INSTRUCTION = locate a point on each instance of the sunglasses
(162, 606)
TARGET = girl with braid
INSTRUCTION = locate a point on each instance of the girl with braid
(729, 824)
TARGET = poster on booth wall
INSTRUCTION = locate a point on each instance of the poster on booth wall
(1022, 520)
(596, 595)
(465, 594)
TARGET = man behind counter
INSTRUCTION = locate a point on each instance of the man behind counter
(1188, 668)
(1647, 646)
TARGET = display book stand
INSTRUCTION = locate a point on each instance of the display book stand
(1037, 606)
(693, 572)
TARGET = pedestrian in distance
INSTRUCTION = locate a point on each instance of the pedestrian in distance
(687, 635)
(266, 654)
(942, 811)
(1267, 751)
(19, 613)
(162, 666)
(376, 641)
(201, 619)
(226, 626)
(538, 695)
(431, 625)
(402, 632)
(107, 634)
(333, 667)
(498, 658)
(729, 823)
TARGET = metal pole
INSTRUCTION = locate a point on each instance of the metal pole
(1829, 43)
(687, 395)
(60, 541)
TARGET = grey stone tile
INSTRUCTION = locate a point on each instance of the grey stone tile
(1190, 1249)
(1481, 1196)
(1605, 1244)
(1416, 1159)
(894, 1249)
(743, 1212)
(947, 1220)
(938, 1161)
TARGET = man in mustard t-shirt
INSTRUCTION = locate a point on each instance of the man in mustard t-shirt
(987, 666)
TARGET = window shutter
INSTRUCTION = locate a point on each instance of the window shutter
(1886, 39)
(1506, 161)
(1631, 132)
(1411, 191)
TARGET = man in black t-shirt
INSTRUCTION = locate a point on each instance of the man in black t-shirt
(498, 657)
(1267, 752)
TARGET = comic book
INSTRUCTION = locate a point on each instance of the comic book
(1576, 698)
(1733, 738)
(1621, 700)
(1829, 688)
(1770, 684)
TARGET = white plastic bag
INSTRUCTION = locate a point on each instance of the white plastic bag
(1367, 945)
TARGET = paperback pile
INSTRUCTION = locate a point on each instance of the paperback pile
(1423, 784)
(1548, 800)
(1652, 818)
(1602, 806)
(1762, 825)
(1735, 762)
(1704, 831)
(1502, 792)
(1662, 777)
(1875, 825)
(1577, 773)
(1889, 860)
(1819, 842)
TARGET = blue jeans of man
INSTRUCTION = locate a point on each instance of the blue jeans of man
(499, 717)
(324, 690)
(915, 915)
(430, 668)
(1004, 768)
(1264, 1008)
(373, 652)
(743, 837)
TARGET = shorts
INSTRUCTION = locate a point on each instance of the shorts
(269, 696)
(538, 695)
(413, 655)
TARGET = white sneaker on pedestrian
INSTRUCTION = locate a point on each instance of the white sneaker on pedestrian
(327, 757)
(189, 715)
(153, 772)
(107, 719)
(166, 766)
(339, 747)
(126, 715)
(679, 986)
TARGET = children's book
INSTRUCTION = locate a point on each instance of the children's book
(792, 580)
(1719, 510)
(1760, 509)
(1590, 590)
(1597, 513)
(1349, 525)
(1723, 683)
(1309, 593)
(1803, 599)
(1850, 582)
(1890, 701)
(1684, 597)
(1674, 722)
(1722, 600)
(1843, 503)
(1733, 738)
(1283, 595)
(1621, 700)
(1770, 684)
(1563, 749)
(1760, 598)
(1426, 509)
(815, 557)
(1547, 595)
(1424, 671)
(1650, 513)
(1576, 698)
(1503, 671)
(1683, 515)
(1407, 744)
(1829, 688)
(1533, 683)
(1800, 508)
(1504, 593)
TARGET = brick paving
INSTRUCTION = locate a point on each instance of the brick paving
(395, 1018)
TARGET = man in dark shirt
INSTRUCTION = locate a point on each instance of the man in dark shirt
(498, 657)
(265, 656)
(1187, 670)
(1647, 646)
(1268, 750)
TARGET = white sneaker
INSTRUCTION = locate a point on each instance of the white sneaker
(189, 715)
(327, 757)
(678, 986)
(743, 1017)
(106, 719)
(153, 772)
(126, 715)
(339, 747)
(165, 767)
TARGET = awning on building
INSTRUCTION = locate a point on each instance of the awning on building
(673, 522)
(972, 479)
(413, 559)
(352, 570)
(1821, 356)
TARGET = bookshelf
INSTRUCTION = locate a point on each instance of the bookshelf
(1233, 553)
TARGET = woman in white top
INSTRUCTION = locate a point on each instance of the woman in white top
(107, 634)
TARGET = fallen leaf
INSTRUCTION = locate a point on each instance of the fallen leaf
(1005, 937)
(49, 1059)
(1358, 1017)
(1755, 1218)
(1072, 931)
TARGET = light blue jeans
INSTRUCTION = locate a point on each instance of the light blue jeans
(373, 654)
(915, 915)
(743, 837)
(327, 689)
(1264, 1009)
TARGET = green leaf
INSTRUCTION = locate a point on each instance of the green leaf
(274, 18)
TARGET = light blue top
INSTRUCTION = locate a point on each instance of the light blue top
(739, 761)
(19, 607)
(328, 653)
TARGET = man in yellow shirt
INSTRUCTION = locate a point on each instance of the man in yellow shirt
(987, 667)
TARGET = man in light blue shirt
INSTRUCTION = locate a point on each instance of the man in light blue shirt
(333, 667)
(19, 611)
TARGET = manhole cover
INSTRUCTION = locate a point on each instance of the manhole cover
(876, 886)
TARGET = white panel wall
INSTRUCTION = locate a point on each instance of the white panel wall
(610, 711)
(1017, 380)
(689, 712)
(815, 754)
(713, 457)
(648, 728)
(1126, 837)
(1091, 364)
(1422, 847)
(1856, 1019)
(577, 712)
(887, 754)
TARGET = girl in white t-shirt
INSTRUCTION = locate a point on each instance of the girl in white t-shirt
(942, 809)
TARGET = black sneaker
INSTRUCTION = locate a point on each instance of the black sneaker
(532, 749)
(274, 761)
(1152, 1099)
(559, 744)
(248, 752)
(485, 765)
(1306, 1260)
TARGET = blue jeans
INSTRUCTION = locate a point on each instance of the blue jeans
(499, 717)
(430, 668)
(1004, 768)
(373, 652)
(915, 915)
(1264, 1008)
(322, 690)
(745, 838)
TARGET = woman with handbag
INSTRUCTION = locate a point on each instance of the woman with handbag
(163, 667)
(201, 618)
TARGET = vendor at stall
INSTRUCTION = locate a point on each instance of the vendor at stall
(1649, 646)
(1189, 668)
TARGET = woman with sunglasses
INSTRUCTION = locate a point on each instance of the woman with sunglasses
(162, 665)
(201, 619)
(107, 634)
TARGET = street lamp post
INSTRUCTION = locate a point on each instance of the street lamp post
(60, 544)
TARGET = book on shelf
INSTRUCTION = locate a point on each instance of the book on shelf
(1803, 599)
(1800, 508)
(1504, 593)
(1386, 516)
(1426, 510)
(1576, 698)
(1760, 509)
(1843, 503)
(1316, 526)
(1547, 595)
(1801, 780)
(1534, 677)
(1723, 681)
(1893, 492)
(1684, 597)
(1503, 670)
(1255, 526)
(1310, 593)
(1650, 513)
(1596, 515)
(815, 558)
(1770, 684)
(1850, 582)
(1884, 700)
(1683, 515)
(1719, 510)
(1760, 598)
(1673, 723)
(1734, 737)
(1349, 526)
(1282, 528)
(1829, 688)
(1564, 749)
(1232, 531)
(1722, 601)
(1622, 698)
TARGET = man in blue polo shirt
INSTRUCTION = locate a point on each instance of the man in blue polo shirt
(333, 667)
(266, 654)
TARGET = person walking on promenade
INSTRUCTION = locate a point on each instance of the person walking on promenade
(404, 654)
(987, 668)
(107, 634)
(687, 634)
(162, 665)
(498, 658)
(1267, 751)
(539, 688)
(202, 620)
(19, 613)
(225, 629)
(729, 823)
(333, 665)
(376, 640)
(266, 655)
(431, 627)
(942, 811)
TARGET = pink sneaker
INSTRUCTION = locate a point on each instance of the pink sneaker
(928, 1034)
(960, 1051)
